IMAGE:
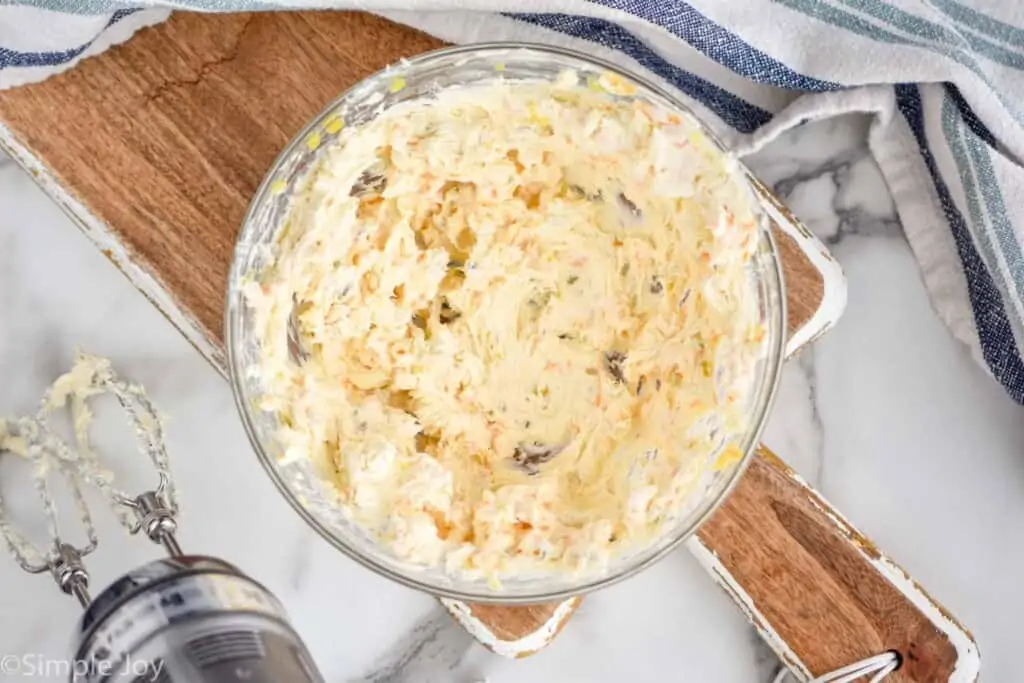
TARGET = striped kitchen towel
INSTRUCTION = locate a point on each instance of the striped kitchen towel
(943, 79)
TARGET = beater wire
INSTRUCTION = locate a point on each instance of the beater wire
(49, 455)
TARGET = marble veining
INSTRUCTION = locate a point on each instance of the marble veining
(856, 208)
(431, 650)
(886, 414)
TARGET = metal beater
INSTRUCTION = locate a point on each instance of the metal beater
(181, 618)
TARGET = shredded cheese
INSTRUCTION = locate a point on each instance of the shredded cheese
(525, 323)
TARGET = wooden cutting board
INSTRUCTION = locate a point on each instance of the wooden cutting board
(155, 148)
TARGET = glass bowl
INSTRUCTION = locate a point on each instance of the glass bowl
(299, 482)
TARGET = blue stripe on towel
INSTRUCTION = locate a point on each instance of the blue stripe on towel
(989, 225)
(982, 23)
(723, 46)
(734, 111)
(14, 58)
(838, 17)
(962, 43)
(994, 332)
(987, 185)
(970, 118)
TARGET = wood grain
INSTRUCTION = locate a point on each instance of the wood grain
(512, 625)
(164, 140)
(166, 137)
(804, 285)
(812, 582)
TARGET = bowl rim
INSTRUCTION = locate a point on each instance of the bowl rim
(774, 358)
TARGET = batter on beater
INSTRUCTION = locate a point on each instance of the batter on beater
(513, 323)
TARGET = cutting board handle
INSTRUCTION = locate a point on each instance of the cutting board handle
(821, 594)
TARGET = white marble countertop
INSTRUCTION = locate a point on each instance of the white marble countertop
(887, 415)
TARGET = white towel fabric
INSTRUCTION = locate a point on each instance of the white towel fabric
(944, 80)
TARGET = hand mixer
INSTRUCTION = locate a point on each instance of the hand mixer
(181, 618)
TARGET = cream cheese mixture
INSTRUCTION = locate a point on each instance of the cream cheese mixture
(513, 323)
